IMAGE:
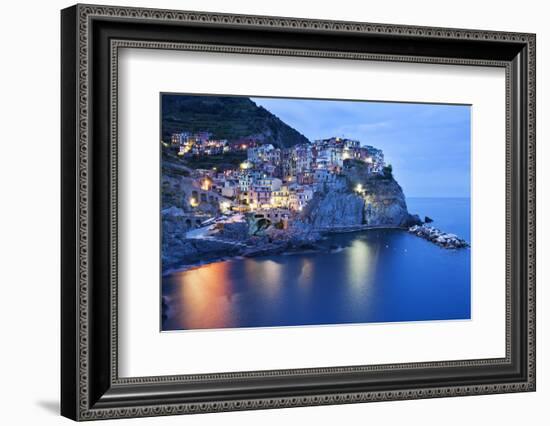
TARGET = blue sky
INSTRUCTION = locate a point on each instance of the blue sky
(428, 145)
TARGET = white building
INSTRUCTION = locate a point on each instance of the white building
(325, 179)
(247, 179)
(180, 138)
(330, 158)
(271, 183)
(264, 154)
(230, 189)
(303, 157)
(299, 197)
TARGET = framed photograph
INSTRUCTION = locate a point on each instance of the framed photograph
(263, 212)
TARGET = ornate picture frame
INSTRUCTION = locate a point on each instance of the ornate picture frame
(91, 37)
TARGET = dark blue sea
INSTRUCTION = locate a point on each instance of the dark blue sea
(370, 276)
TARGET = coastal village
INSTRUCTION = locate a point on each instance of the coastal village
(256, 199)
(265, 226)
(275, 183)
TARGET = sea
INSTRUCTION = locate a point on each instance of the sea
(372, 276)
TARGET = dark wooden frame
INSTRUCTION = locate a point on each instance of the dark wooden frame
(90, 386)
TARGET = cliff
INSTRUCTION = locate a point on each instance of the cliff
(227, 117)
(369, 200)
(334, 209)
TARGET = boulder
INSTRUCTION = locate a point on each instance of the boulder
(442, 239)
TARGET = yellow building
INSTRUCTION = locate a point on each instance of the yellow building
(281, 198)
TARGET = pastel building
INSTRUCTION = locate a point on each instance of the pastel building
(281, 197)
(247, 179)
(230, 189)
(264, 153)
(180, 138)
(299, 198)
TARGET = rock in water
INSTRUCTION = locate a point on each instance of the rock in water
(413, 220)
(442, 239)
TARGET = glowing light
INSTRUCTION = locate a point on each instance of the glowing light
(368, 160)
(203, 297)
(359, 188)
(206, 185)
(225, 206)
(193, 201)
(245, 165)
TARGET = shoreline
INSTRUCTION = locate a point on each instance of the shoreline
(275, 250)
(272, 249)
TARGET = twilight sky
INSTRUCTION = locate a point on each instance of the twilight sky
(428, 145)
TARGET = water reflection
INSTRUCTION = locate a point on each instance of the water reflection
(360, 264)
(306, 274)
(268, 276)
(374, 276)
(361, 270)
(204, 297)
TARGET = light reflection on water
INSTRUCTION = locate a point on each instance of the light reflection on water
(361, 269)
(268, 275)
(374, 279)
(207, 295)
(373, 276)
(306, 274)
(231, 293)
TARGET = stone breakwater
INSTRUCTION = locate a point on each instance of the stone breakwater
(442, 239)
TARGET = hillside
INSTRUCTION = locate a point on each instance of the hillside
(174, 165)
(226, 117)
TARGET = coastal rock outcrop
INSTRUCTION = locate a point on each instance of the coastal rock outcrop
(178, 251)
(360, 200)
(368, 200)
(385, 203)
(334, 209)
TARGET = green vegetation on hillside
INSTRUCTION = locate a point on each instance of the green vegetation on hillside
(227, 117)
(221, 162)
(172, 164)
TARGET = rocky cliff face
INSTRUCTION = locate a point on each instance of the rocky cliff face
(385, 203)
(368, 200)
(334, 209)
